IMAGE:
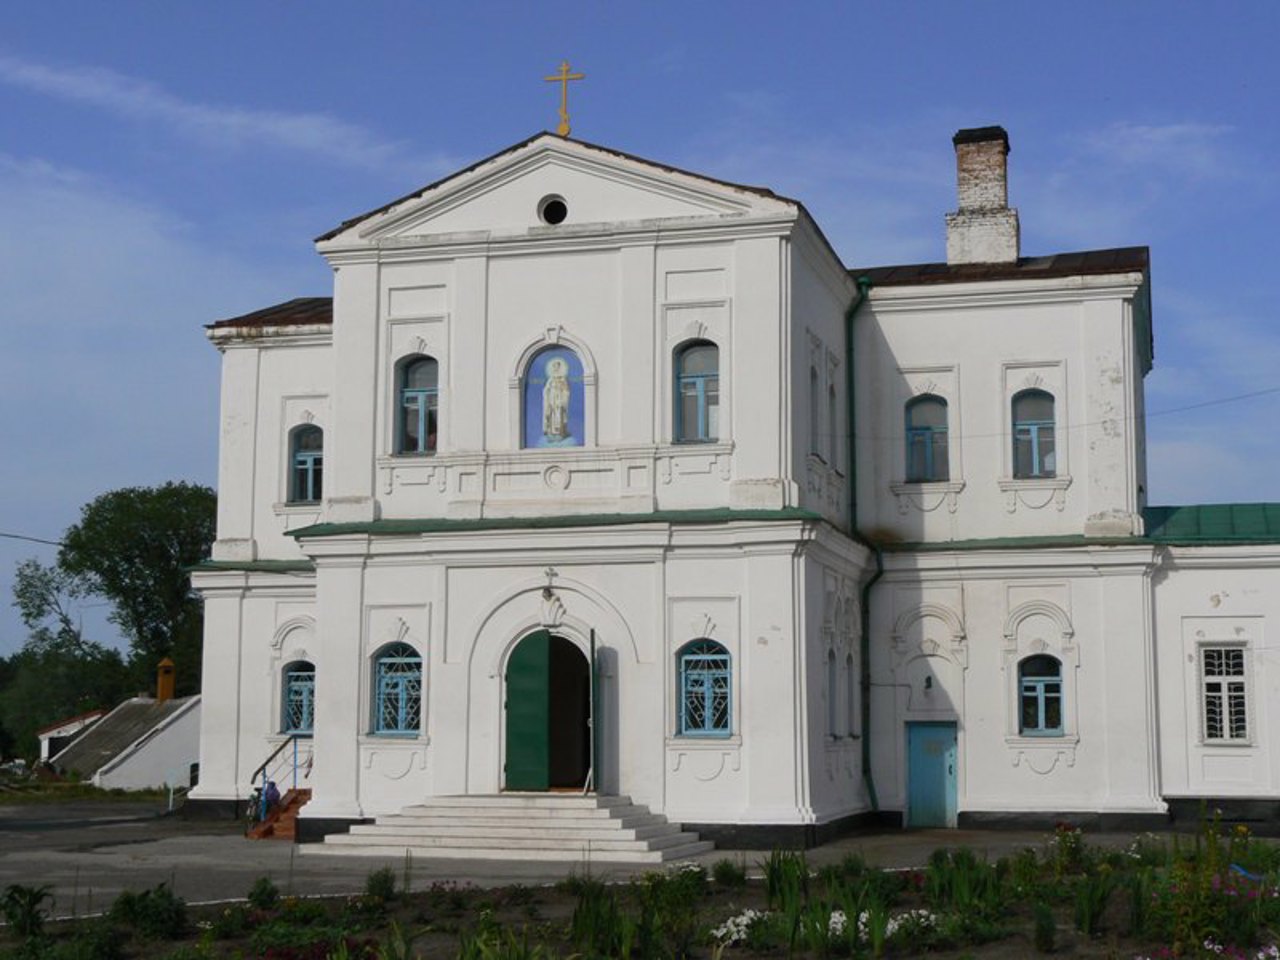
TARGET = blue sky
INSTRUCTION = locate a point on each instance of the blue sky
(165, 164)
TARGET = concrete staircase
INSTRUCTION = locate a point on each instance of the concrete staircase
(521, 826)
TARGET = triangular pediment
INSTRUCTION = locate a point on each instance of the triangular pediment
(505, 195)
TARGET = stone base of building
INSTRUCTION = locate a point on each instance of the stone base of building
(792, 836)
(1091, 821)
(193, 809)
(1260, 814)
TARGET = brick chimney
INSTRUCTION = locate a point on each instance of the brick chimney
(985, 228)
(165, 680)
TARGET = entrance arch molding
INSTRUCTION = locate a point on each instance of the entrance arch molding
(520, 609)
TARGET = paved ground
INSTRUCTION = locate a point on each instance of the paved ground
(89, 852)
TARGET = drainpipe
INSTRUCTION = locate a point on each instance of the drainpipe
(864, 681)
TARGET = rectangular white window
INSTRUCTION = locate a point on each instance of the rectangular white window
(1223, 690)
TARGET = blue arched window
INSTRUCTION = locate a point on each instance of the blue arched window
(397, 691)
(418, 405)
(299, 699)
(306, 460)
(704, 689)
(698, 392)
(927, 457)
(1033, 435)
(1040, 696)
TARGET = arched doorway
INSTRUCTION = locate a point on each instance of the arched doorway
(548, 714)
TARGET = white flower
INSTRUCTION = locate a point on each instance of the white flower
(735, 929)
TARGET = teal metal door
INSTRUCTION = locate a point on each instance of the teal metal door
(529, 714)
(931, 774)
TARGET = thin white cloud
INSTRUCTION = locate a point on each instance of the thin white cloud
(317, 134)
(1193, 150)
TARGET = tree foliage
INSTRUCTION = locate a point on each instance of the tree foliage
(57, 674)
(133, 546)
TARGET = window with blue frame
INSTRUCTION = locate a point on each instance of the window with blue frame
(927, 454)
(306, 457)
(1040, 693)
(397, 691)
(704, 689)
(698, 393)
(1034, 453)
(299, 698)
(418, 391)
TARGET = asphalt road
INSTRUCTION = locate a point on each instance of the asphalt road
(90, 852)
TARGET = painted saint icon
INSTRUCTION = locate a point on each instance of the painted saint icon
(553, 399)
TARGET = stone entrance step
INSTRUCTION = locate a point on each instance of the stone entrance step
(521, 826)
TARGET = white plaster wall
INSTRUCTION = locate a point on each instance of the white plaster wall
(164, 760)
(821, 293)
(976, 345)
(267, 390)
(1206, 595)
(646, 591)
(255, 624)
(966, 620)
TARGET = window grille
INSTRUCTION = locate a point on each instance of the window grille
(299, 697)
(1226, 706)
(398, 690)
(704, 690)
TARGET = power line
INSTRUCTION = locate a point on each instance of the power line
(19, 536)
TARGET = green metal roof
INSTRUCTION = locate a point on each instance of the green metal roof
(1214, 523)
(410, 527)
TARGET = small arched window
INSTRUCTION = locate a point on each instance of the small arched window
(704, 689)
(1034, 452)
(299, 697)
(418, 405)
(306, 459)
(927, 454)
(815, 413)
(1040, 696)
(397, 691)
(697, 393)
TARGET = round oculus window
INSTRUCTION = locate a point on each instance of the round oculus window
(552, 210)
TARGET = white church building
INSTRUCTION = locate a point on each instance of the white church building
(600, 475)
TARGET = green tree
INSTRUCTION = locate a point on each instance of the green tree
(133, 547)
(57, 674)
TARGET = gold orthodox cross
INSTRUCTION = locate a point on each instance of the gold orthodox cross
(563, 78)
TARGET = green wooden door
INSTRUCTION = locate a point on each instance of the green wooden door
(528, 714)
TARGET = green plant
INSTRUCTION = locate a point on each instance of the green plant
(264, 894)
(1092, 894)
(23, 908)
(1045, 936)
(381, 884)
(595, 927)
(728, 874)
(156, 914)
(786, 880)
